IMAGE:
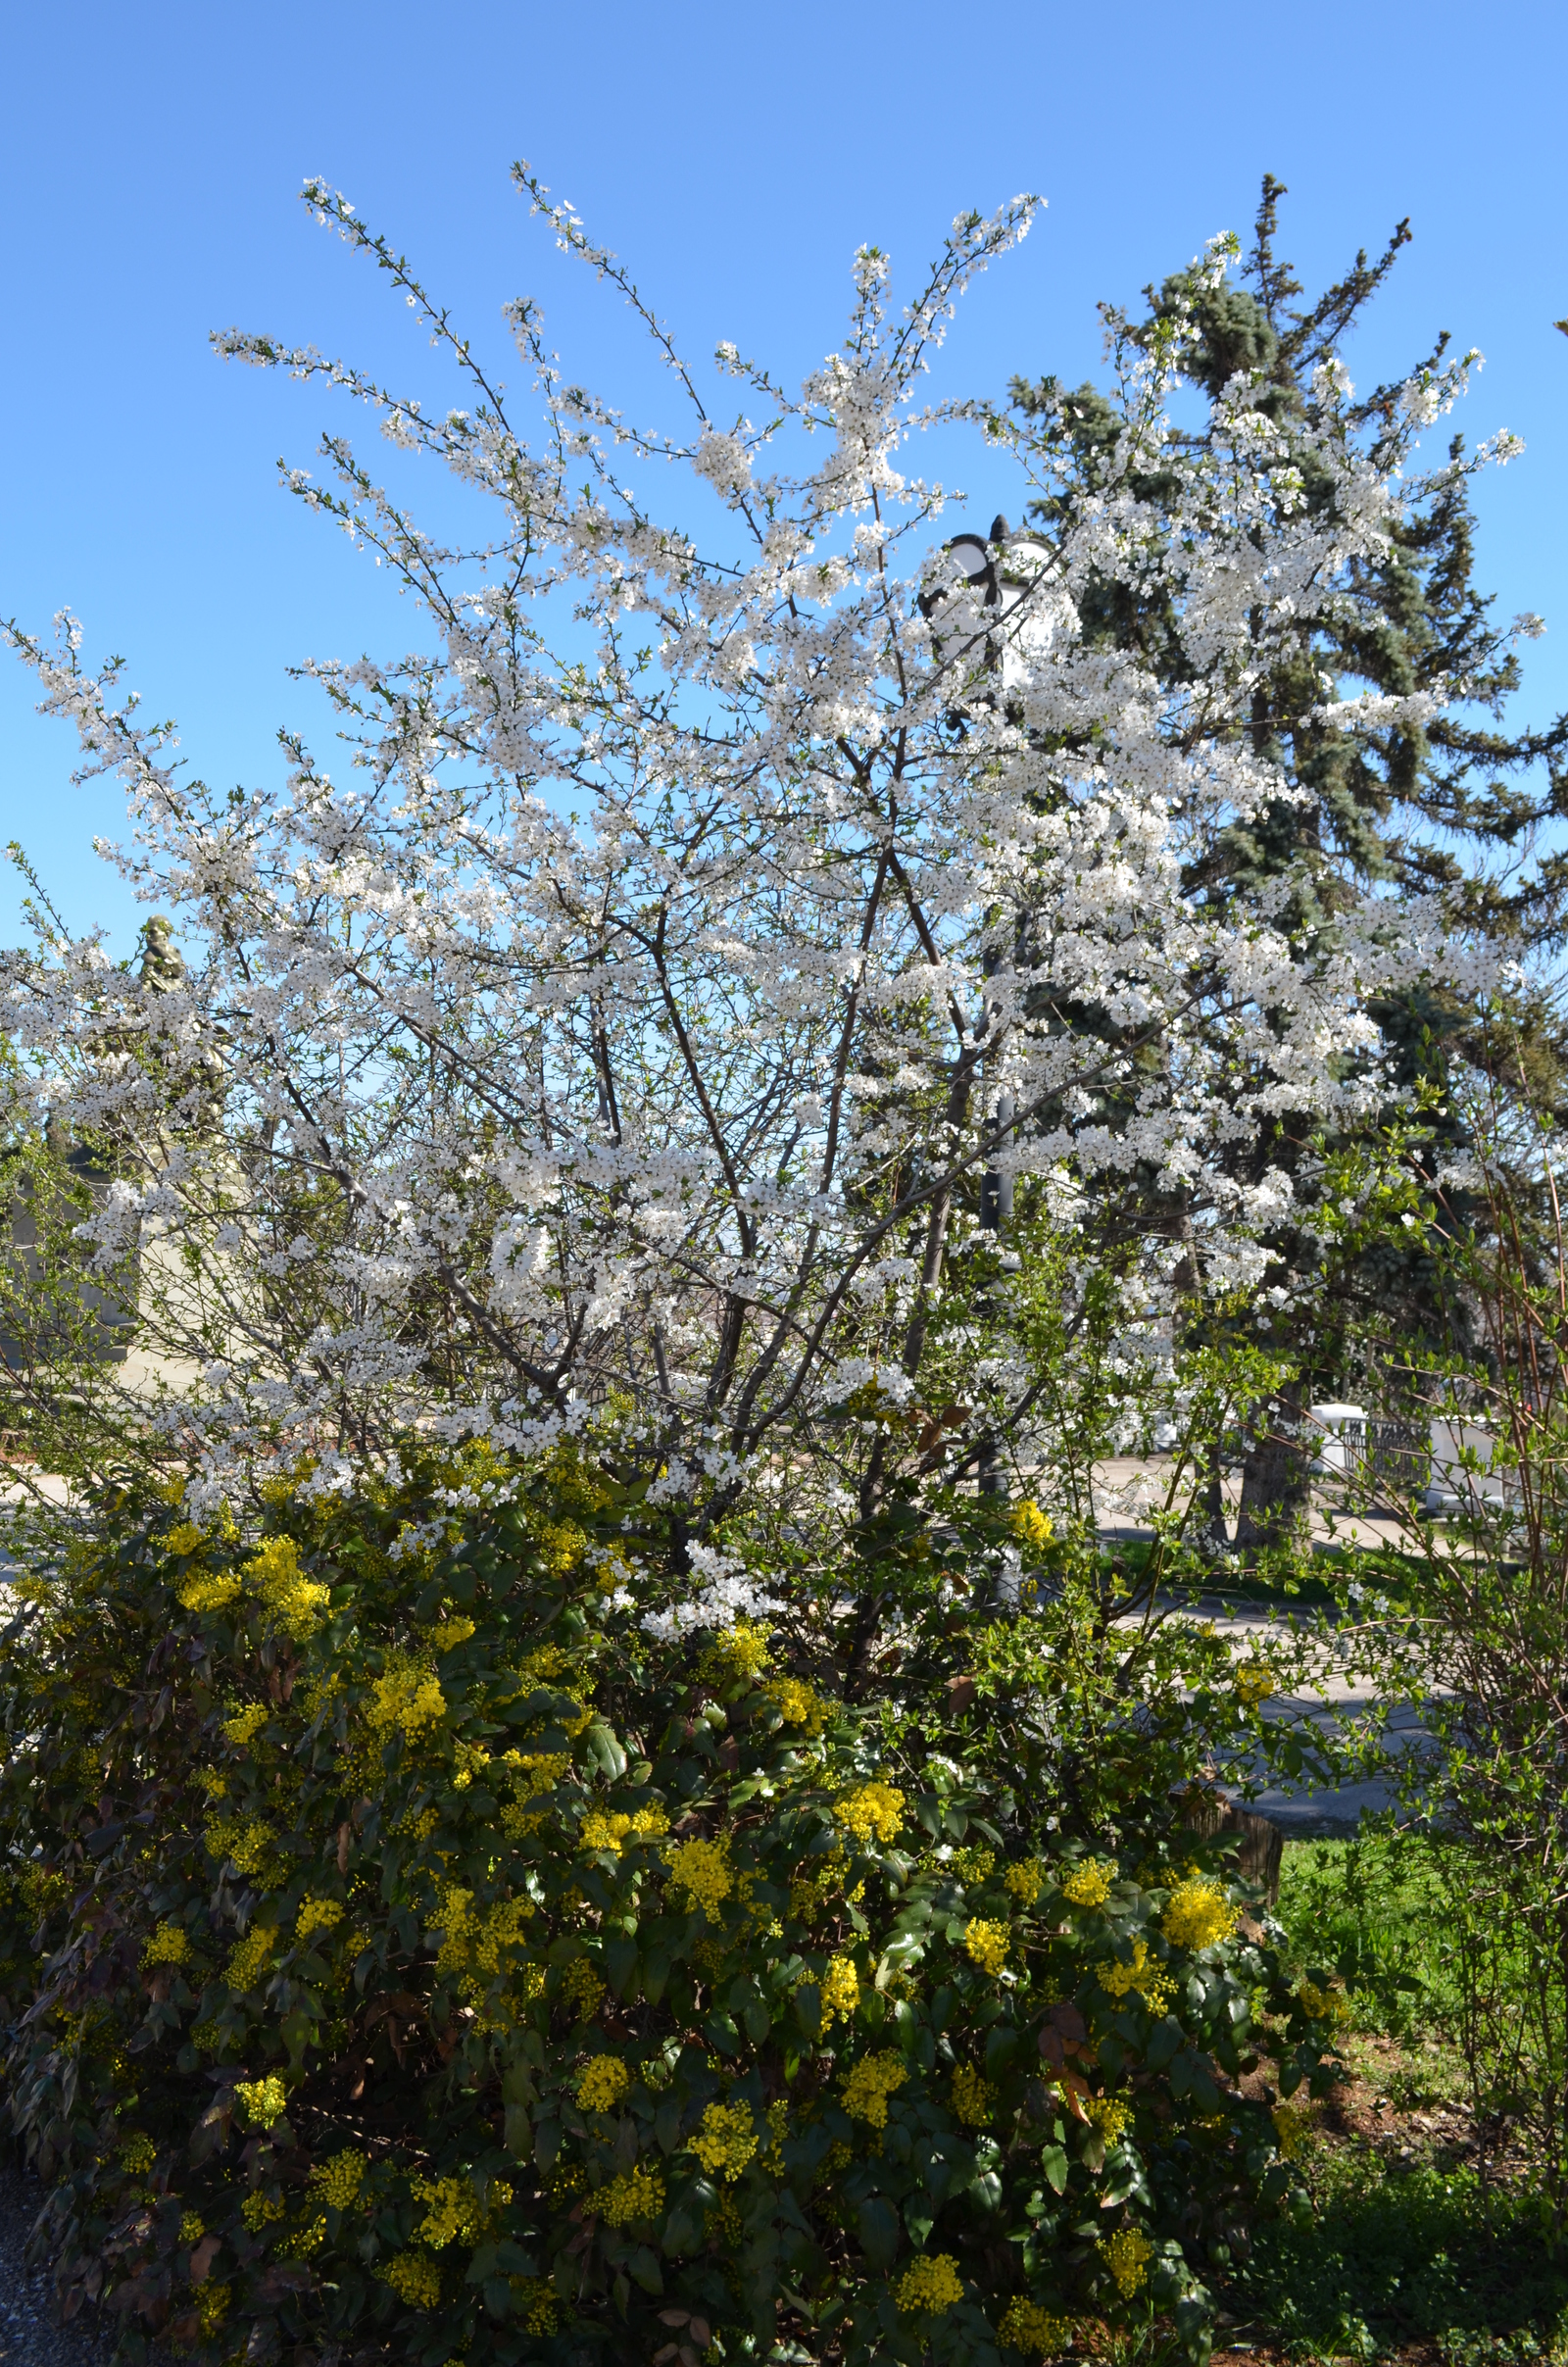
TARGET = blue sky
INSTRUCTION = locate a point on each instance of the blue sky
(734, 157)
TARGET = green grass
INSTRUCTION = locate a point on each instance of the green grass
(1375, 1908)
(1399, 2253)
(1395, 2257)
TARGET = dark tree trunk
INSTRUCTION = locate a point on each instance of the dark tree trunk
(1274, 1477)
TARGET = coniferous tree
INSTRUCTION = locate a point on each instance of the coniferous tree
(1444, 798)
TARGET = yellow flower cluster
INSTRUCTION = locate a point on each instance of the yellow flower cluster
(245, 1724)
(530, 1772)
(701, 1869)
(1087, 1885)
(840, 1989)
(872, 1809)
(407, 1699)
(602, 2083)
(1253, 1684)
(414, 2277)
(1290, 2129)
(318, 1915)
(451, 1633)
(1035, 2331)
(601, 1830)
(561, 1543)
(1127, 2255)
(867, 2088)
(296, 1602)
(169, 1944)
(186, 1539)
(798, 1704)
(533, 2304)
(1025, 1882)
(137, 2153)
(246, 1840)
(1031, 1526)
(727, 2142)
(201, 1593)
(1322, 2005)
(212, 2305)
(640, 2195)
(972, 2098)
(986, 1943)
(250, 1958)
(931, 2284)
(455, 2211)
(809, 1892)
(1111, 2115)
(338, 2183)
(259, 2211)
(740, 1651)
(1198, 1914)
(533, 1771)
(265, 2101)
(1152, 1983)
(581, 1989)
(480, 1943)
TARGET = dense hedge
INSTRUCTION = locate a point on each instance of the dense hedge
(409, 1957)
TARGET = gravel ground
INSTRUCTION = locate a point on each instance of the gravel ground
(28, 2333)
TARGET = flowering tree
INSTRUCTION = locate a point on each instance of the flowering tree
(1417, 795)
(707, 911)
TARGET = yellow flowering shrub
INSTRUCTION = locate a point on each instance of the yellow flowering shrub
(169, 1944)
(932, 2284)
(700, 1874)
(245, 1724)
(295, 1604)
(1087, 1884)
(871, 1812)
(1031, 1527)
(340, 2181)
(726, 2141)
(602, 2083)
(318, 1915)
(639, 2195)
(209, 1593)
(265, 2101)
(987, 1943)
(506, 1973)
(1025, 1883)
(1113, 2116)
(1198, 1915)
(406, 1699)
(868, 2085)
(251, 1957)
(1322, 2005)
(414, 2278)
(798, 1703)
(973, 2098)
(1037, 2333)
(739, 1651)
(1127, 2254)
(1145, 1976)
(840, 1989)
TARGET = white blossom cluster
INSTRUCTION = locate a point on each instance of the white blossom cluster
(703, 913)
